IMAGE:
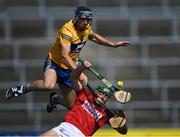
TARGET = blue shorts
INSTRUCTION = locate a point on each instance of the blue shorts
(63, 75)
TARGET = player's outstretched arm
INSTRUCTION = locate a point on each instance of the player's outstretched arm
(76, 73)
(103, 41)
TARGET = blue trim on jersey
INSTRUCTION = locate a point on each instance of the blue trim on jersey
(76, 48)
(63, 75)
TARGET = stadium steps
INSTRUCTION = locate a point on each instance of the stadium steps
(15, 3)
(105, 3)
(6, 51)
(155, 27)
(64, 3)
(2, 30)
(169, 72)
(153, 117)
(144, 94)
(28, 28)
(113, 27)
(173, 94)
(132, 73)
(171, 50)
(9, 74)
(173, 3)
(150, 67)
(27, 120)
(33, 51)
(142, 3)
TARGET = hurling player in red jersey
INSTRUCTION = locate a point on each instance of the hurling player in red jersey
(88, 113)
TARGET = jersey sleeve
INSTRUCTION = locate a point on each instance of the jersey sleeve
(90, 30)
(64, 36)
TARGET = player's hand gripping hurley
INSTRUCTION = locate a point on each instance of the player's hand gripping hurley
(120, 95)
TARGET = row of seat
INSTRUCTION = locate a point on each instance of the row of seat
(139, 94)
(143, 118)
(38, 51)
(91, 3)
(144, 28)
(11, 73)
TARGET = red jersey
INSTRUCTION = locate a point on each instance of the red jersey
(85, 115)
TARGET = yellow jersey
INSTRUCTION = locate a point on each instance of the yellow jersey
(68, 35)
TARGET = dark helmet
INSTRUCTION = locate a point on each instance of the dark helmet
(103, 88)
(83, 12)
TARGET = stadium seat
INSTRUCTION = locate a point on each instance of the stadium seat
(57, 3)
(21, 3)
(173, 94)
(113, 27)
(9, 73)
(169, 50)
(155, 27)
(35, 51)
(101, 3)
(6, 51)
(132, 72)
(2, 30)
(143, 3)
(28, 28)
(170, 72)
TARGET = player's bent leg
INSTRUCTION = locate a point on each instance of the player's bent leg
(69, 96)
(47, 84)
(51, 133)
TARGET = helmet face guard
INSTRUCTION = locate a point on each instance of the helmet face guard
(84, 14)
(104, 89)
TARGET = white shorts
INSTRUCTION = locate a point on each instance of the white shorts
(66, 129)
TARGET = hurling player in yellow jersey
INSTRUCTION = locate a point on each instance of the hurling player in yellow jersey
(61, 59)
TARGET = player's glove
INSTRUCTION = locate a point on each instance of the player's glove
(54, 100)
(118, 122)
